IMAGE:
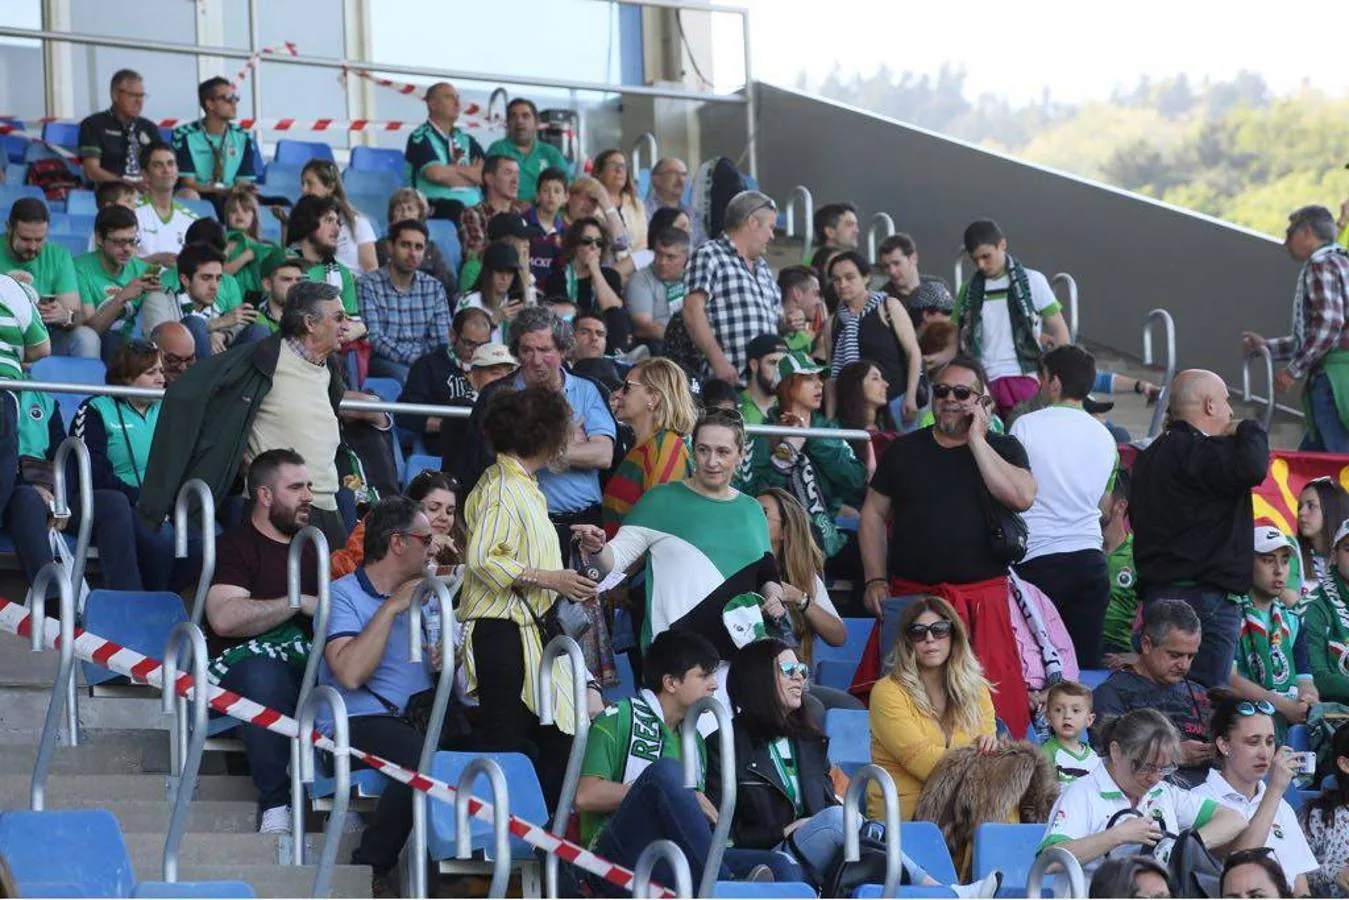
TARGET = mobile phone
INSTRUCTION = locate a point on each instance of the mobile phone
(152, 270)
(47, 299)
(1304, 762)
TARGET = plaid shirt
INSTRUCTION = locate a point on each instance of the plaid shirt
(473, 226)
(1318, 312)
(743, 301)
(404, 326)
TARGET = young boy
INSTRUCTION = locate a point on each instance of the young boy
(546, 213)
(114, 193)
(1069, 709)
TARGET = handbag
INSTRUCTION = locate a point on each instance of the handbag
(1195, 872)
(417, 716)
(563, 617)
(1007, 532)
(840, 878)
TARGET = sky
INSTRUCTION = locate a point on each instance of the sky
(1081, 51)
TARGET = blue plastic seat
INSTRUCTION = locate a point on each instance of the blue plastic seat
(924, 844)
(297, 153)
(282, 180)
(364, 783)
(166, 135)
(70, 369)
(16, 172)
(420, 462)
(1093, 678)
(1007, 848)
(891, 609)
(627, 681)
(905, 891)
(787, 890)
(203, 208)
(194, 889)
(843, 659)
(623, 634)
(1299, 799)
(62, 134)
(526, 802)
(381, 182)
(446, 237)
(138, 620)
(11, 192)
(94, 861)
(15, 147)
(1299, 738)
(849, 732)
(82, 202)
(75, 244)
(373, 159)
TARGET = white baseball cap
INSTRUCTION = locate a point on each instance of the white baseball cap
(492, 355)
(1269, 538)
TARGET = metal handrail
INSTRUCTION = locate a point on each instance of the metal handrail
(688, 734)
(1169, 374)
(444, 595)
(852, 822)
(1247, 396)
(649, 140)
(1065, 279)
(65, 670)
(61, 505)
(207, 503)
(332, 829)
(560, 646)
(1077, 880)
(807, 217)
(960, 270)
(655, 851)
(294, 557)
(501, 804)
(187, 740)
(880, 219)
(498, 91)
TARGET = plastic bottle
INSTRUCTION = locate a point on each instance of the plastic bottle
(431, 623)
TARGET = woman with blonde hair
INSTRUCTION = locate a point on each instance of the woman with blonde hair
(356, 238)
(410, 204)
(934, 699)
(587, 196)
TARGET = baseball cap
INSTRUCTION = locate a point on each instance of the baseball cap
(932, 295)
(510, 225)
(491, 355)
(278, 258)
(798, 363)
(765, 344)
(500, 258)
(1269, 538)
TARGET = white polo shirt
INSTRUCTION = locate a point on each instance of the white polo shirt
(1285, 835)
(158, 235)
(1087, 805)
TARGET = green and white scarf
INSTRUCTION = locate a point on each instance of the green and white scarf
(1020, 309)
(1263, 650)
(285, 642)
(1337, 640)
(743, 617)
(646, 735)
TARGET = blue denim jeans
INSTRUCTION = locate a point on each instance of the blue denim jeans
(820, 840)
(274, 684)
(1332, 436)
(659, 806)
(79, 341)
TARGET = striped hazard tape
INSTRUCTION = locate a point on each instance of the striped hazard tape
(89, 647)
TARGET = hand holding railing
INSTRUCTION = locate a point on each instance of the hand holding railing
(688, 734)
(180, 537)
(852, 823)
(187, 739)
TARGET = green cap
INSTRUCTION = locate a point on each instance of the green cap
(278, 258)
(798, 362)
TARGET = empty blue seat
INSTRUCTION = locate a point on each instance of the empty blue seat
(282, 180)
(1299, 738)
(166, 135)
(364, 783)
(446, 236)
(1008, 848)
(849, 732)
(891, 609)
(16, 172)
(387, 389)
(1092, 678)
(368, 159)
(15, 147)
(526, 802)
(905, 891)
(88, 842)
(82, 202)
(203, 208)
(70, 369)
(924, 844)
(75, 244)
(194, 889)
(11, 192)
(420, 462)
(62, 134)
(844, 658)
(787, 890)
(138, 620)
(1299, 799)
(380, 182)
(297, 153)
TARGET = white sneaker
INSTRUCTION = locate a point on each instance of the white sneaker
(984, 887)
(275, 820)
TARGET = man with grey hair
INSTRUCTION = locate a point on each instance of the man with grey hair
(732, 296)
(1159, 680)
(1318, 348)
(668, 178)
(657, 292)
(111, 141)
(541, 340)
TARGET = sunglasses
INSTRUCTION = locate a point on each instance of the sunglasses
(959, 391)
(226, 98)
(1247, 708)
(424, 538)
(767, 204)
(940, 630)
(794, 670)
(591, 242)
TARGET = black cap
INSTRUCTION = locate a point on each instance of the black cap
(510, 225)
(500, 258)
(765, 344)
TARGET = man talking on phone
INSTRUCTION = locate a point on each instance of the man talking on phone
(939, 487)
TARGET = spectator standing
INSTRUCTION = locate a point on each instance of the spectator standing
(804, 313)
(732, 295)
(1118, 546)
(837, 227)
(612, 171)
(655, 402)
(500, 187)
(522, 144)
(587, 284)
(1327, 625)
(355, 235)
(514, 574)
(113, 282)
(405, 309)
(933, 488)
(1318, 348)
(312, 231)
(1008, 316)
(1326, 820)
(162, 220)
(669, 176)
(213, 153)
(111, 141)
(933, 699)
(177, 349)
(440, 378)
(409, 203)
(258, 644)
(656, 293)
(1190, 505)
(763, 355)
(550, 199)
(27, 256)
(1322, 505)
(1074, 459)
(897, 256)
(1157, 680)
(444, 161)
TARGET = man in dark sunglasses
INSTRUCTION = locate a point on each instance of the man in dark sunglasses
(939, 488)
(213, 153)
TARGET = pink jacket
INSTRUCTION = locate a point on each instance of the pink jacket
(1032, 665)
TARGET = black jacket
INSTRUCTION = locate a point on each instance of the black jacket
(436, 379)
(1191, 508)
(762, 807)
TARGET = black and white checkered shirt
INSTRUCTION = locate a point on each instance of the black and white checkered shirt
(743, 302)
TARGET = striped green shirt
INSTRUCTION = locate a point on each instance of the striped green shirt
(20, 325)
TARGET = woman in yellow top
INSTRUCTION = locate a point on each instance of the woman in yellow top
(513, 575)
(934, 699)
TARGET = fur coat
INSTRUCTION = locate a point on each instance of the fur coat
(1016, 784)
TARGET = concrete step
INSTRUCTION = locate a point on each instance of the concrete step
(105, 753)
(65, 789)
(283, 881)
(225, 816)
(224, 849)
(23, 709)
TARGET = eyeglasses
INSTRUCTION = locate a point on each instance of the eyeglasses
(591, 242)
(940, 631)
(134, 95)
(794, 670)
(959, 391)
(226, 98)
(123, 242)
(1247, 708)
(1142, 768)
(628, 386)
(174, 361)
(424, 538)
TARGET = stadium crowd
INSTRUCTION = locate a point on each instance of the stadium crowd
(611, 349)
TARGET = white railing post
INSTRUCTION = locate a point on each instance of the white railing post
(880, 220)
(1063, 278)
(1169, 373)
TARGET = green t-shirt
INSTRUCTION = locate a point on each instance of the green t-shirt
(36, 409)
(97, 286)
(227, 298)
(20, 326)
(250, 275)
(1123, 605)
(129, 433)
(749, 410)
(53, 269)
(340, 277)
(607, 749)
(542, 156)
(799, 342)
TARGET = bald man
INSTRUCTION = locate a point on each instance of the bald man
(1190, 505)
(177, 349)
(446, 162)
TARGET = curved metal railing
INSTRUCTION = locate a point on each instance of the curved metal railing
(656, 851)
(802, 193)
(501, 834)
(564, 646)
(294, 558)
(65, 670)
(328, 695)
(881, 219)
(852, 823)
(1077, 880)
(1263, 353)
(492, 102)
(688, 740)
(180, 538)
(61, 508)
(648, 140)
(1169, 374)
(1068, 281)
(187, 738)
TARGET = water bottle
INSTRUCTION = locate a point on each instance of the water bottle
(431, 621)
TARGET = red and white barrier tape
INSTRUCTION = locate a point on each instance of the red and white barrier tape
(89, 647)
(28, 128)
(283, 47)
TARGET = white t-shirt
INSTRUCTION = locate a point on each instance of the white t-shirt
(349, 242)
(997, 350)
(1072, 457)
(1285, 835)
(820, 597)
(159, 236)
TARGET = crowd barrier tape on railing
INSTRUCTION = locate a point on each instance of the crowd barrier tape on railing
(89, 647)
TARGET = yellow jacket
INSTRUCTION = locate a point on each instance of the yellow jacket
(908, 744)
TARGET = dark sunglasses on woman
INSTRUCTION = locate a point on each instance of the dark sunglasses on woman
(940, 630)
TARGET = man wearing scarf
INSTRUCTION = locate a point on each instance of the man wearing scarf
(1007, 315)
(1328, 626)
(1318, 348)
